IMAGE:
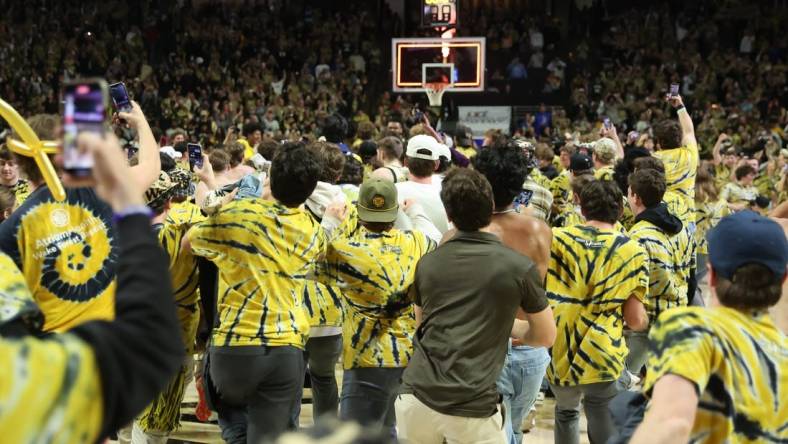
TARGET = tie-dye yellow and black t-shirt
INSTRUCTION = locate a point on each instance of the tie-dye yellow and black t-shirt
(67, 252)
(738, 363)
(707, 214)
(665, 289)
(21, 190)
(681, 167)
(683, 243)
(49, 390)
(561, 188)
(605, 173)
(374, 271)
(185, 213)
(263, 251)
(592, 272)
(185, 279)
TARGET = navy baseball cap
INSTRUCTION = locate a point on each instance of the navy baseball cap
(745, 238)
(580, 162)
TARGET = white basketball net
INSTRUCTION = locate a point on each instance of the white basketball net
(435, 92)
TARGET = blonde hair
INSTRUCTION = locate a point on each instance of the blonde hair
(705, 189)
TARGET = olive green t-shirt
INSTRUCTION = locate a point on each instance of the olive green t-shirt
(469, 290)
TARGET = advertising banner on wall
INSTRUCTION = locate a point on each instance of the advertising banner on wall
(483, 118)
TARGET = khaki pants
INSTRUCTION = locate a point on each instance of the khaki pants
(419, 424)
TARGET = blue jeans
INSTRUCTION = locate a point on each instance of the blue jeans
(519, 385)
(368, 396)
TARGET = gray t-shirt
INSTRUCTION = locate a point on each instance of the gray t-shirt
(469, 290)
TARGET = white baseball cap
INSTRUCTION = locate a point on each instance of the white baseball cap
(443, 151)
(422, 147)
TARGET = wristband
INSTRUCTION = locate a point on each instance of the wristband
(680, 109)
(132, 210)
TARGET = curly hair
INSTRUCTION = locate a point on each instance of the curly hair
(468, 199)
(506, 167)
(601, 200)
(294, 174)
(352, 173)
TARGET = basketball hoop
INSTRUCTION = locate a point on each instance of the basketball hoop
(435, 92)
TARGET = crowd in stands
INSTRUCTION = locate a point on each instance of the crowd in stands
(206, 68)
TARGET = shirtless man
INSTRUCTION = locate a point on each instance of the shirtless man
(506, 167)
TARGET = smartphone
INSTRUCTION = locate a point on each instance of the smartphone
(120, 97)
(131, 151)
(85, 105)
(674, 89)
(195, 155)
(608, 124)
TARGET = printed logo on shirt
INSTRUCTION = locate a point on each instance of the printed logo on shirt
(59, 218)
(74, 251)
(524, 198)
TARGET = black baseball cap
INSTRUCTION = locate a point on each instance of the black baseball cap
(580, 162)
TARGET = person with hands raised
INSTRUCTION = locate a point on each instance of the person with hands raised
(677, 147)
(147, 170)
(82, 385)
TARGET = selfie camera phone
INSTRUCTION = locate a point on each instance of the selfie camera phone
(85, 104)
(607, 123)
(195, 155)
(674, 89)
(120, 97)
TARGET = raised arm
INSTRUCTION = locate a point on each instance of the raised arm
(718, 147)
(141, 349)
(612, 133)
(685, 121)
(147, 170)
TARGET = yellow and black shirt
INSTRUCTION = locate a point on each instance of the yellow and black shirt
(591, 274)
(185, 213)
(67, 253)
(683, 243)
(185, 279)
(58, 375)
(605, 173)
(561, 188)
(373, 272)
(21, 190)
(681, 168)
(735, 193)
(263, 251)
(738, 363)
(722, 175)
(708, 214)
(666, 289)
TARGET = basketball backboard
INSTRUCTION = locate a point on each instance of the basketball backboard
(459, 61)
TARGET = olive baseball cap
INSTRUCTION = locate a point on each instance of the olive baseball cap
(377, 201)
